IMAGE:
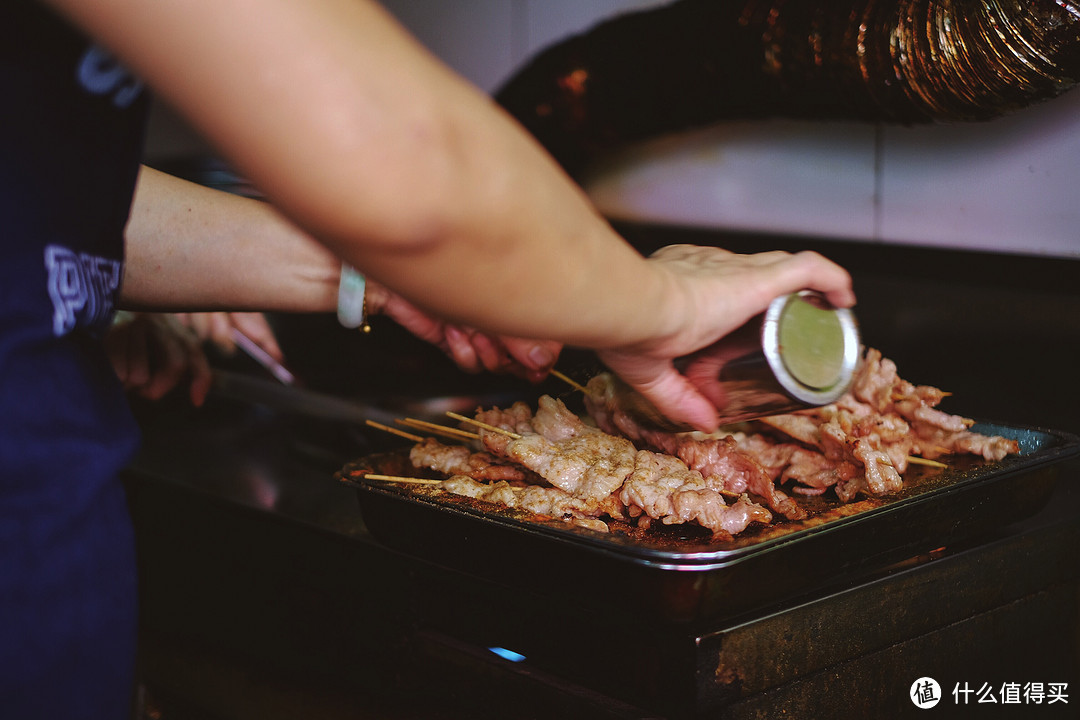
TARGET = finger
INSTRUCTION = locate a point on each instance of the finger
(115, 343)
(703, 373)
(199, 324)
(533, 360)
(138, 354)
(669, 392)
(461, 351)
(419, 324)
(677, 399)
(170, 364)
(538, 356)
(810, 271)
(491, 356)
(201, 376)
(221, 332)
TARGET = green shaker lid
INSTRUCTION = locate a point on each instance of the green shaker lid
(812, 347)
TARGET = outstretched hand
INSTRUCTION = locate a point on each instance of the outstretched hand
(153, 352)
(218, 328)
(714, 292)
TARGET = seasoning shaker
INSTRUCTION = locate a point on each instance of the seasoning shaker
(800, 353)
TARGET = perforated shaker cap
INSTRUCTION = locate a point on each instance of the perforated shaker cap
(811, 347)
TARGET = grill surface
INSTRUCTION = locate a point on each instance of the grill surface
(265, 593)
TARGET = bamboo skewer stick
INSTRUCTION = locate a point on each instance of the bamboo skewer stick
(916, 460)
(450, 432)
(395, 431)
(484, 425)
(568, 380)
(399, 478)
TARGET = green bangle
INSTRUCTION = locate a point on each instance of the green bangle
(352, 305)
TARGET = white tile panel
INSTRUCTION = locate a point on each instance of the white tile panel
(776, 176)
(1008, 185)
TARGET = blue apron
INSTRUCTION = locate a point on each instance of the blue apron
(71, 123)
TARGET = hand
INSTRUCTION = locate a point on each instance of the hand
(713, 293)
(151, 353)
(218, 327)
(472, 350)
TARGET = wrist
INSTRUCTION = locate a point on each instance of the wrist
(358, 298)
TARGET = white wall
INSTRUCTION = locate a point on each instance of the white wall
(1008, 185)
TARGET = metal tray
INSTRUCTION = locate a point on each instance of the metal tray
(683, 575)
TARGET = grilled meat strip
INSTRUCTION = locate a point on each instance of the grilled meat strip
(861, 443)
(557, 445)
(663, 488)
(812, 472)
(720, 460)
(461, 460)
(534, 498)
(596, 466)
(870, 432)
(936, 433)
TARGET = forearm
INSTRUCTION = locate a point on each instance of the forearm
(193, 248)
(375, 148)
(521, 258)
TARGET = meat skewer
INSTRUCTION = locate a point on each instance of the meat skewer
(581, 460)
(663, 488)
(568, 380)
(449, 432)
(534, 498)
(880, 425)
(719, 459)
(598, 467)
(916, 460)
(462, 460)
(551, 462)
(402, 479)
(861, 443)
(394, 431)
(485, 426)
(658, 487)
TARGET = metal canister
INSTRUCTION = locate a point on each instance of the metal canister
(800, 353)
